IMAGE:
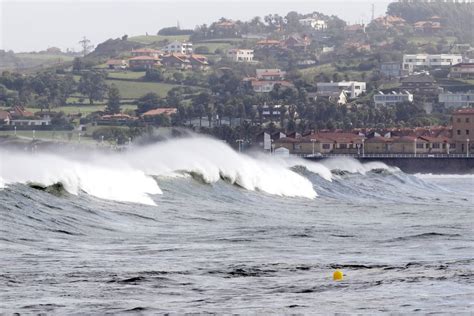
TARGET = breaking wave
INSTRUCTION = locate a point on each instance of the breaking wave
(134, 176)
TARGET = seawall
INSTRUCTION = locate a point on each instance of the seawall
(433, 165)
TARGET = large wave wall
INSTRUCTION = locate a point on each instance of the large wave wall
(129, 176)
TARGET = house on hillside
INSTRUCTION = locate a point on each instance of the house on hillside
(457, 100)
(143, 63)
(176, 60)
(150, 52)
(270, 74)
(297, 42)
(427, 27)
(352, 88)
(240, 55)
(420, 84)
(316, 24)
(389, 21)
(199, 62)
(177, 47)
(412, 62)
(391, 99)
(117, 64)
(462, 70)
(337, 96)
(265, 86)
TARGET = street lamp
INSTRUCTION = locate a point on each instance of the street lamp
(467, 149)
(34, 132)
(79, 136)
(313, 140)
(363, 147)
(415, 146)
(240, 141)
(15, 129)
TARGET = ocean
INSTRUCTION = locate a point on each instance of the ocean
(191, 226)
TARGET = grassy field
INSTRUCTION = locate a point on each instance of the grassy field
(129, 75)
(421, 40)
(213, 46)
(148, 39)
(135, 89)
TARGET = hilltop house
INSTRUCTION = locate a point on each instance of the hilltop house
(316, 24)
(240, 55)
(177, 47)
(337, 96)
(296, 42)
(265, 86)
(181, 61)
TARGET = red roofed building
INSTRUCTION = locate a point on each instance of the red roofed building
(5, 118)
(150, 52)
(160, 111)
(324, 143)
(463, 130)
(143, 62)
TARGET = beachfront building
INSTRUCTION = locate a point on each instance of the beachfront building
(324, 143)
(391, 99)
(463, 130)
(412, 62)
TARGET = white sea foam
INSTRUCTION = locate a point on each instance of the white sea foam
(213, 160)
(444, 176)
(354, 166)
(127, 176)
(107, 181)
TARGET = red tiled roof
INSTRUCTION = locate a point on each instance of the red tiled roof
(144, 58)
(160, 111)
(4, 115)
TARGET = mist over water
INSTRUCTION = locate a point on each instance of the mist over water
(190, 225)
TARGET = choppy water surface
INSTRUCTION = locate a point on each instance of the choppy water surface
(152, 232)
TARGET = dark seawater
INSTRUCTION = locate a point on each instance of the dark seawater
(404, 242)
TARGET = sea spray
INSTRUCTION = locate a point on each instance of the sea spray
(107, 181)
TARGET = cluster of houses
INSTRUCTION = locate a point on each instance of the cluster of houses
(176, 54)
(457, 139)
(17, 116)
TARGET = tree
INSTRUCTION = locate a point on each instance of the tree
(113, 104)
(154, 75)
(92, 84)
(148, 102)
(78, 64)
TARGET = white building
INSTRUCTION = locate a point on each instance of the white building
(456, 100)
(414, 61)
(314, 23)
(352, 88)
(177, 47)
(240, 55)
(393, 98)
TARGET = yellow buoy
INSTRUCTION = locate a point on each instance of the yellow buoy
(338, 275)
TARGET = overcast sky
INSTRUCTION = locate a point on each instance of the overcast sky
(37, 25)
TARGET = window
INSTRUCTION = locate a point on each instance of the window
(435, 145)
(326, 146)
(420, 146)
(343, 146)
(467, 120)
(459, 121)
(467, 132)
(458, 132)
